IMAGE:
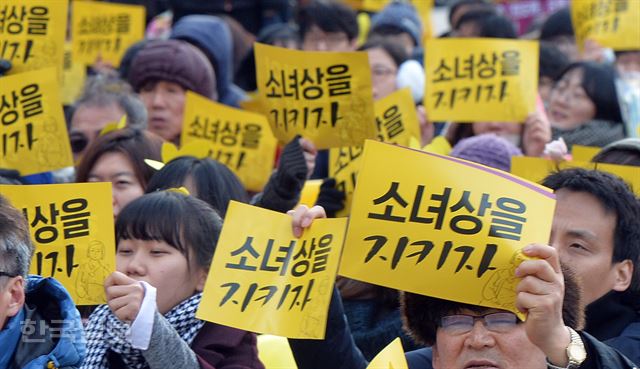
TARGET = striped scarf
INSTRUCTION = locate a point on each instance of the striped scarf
(106, 332)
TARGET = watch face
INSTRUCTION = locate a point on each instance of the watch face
(576, 353)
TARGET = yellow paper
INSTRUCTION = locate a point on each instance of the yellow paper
(442, 226)
(114, 126)
(310, 192)
(34, 136)
(344, 164)
(396, 118)
(584, 153)
(391, 357)
(74, 76)
(611, 23)
(240, 140)
(275, 352)
(105, 31)
(396, 122)
(476, 80)
(32, 34)
(439, 145)
(536, 169)
(265, 280)
(323, 96)
(72, 228)
(253, 105)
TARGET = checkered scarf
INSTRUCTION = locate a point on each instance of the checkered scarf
(106, 332)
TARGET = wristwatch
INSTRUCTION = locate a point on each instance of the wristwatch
(576, 352)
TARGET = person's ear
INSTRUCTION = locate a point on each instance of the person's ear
(202, 279)
(15, 289)
(435, 361)
(624, 274)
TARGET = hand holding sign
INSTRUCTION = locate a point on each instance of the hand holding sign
(302, 217)
(124, 296)
(267, 279)
(540, 296)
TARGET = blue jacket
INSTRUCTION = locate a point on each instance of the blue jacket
(47, 330)
(211, 35)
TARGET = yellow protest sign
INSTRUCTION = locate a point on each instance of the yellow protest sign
(32, 33)
(253, 105)
(536, 169)
(344, 164)
(34, 133)
(310, 192)
(323, 96)
(584, 153)
(72, 228)
(74, 76)
(396, 122)
(611, 23)
(396, 118)
(442, 226)
(105, 31)
(391, 357)
(476, 80)
(265, 280)
(240, 140)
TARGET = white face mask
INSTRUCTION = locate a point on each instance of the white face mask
(514, 138)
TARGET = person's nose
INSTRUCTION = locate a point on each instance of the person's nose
(479, 336)
(135, 264)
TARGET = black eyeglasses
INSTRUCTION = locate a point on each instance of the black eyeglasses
(495, 322)
(5, 274)
(78, 141)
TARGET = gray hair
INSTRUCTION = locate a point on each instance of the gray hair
(103, 90)
(16, 248)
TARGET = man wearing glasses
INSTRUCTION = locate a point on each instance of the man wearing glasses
(39, 324)
(464, 336)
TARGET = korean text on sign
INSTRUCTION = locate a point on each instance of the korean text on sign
(323, 96)
(33, 134)
(72, 228)
(611, 23)
(475, 80)
(32, 33)
(241, 140)
(105, 30)
(396, 122)
(441, 226)
(263, 279)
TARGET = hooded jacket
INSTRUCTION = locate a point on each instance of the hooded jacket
(46, 333)
(212, 36)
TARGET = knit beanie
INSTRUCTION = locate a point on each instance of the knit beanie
(631, 144)
(487, 149)
(402, 16)
(173, 61)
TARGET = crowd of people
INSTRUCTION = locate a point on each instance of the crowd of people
(581, 289)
